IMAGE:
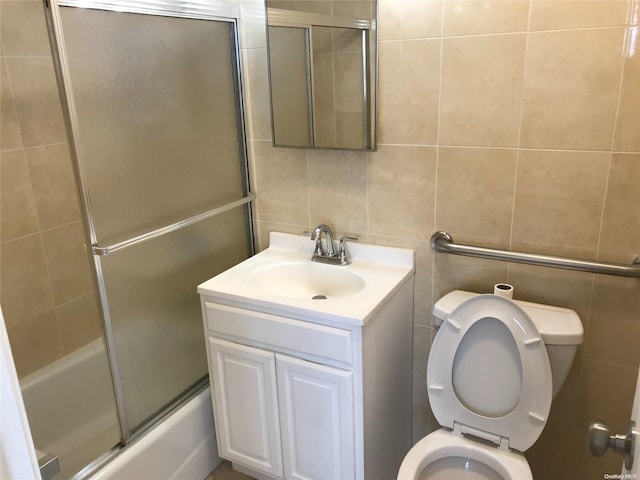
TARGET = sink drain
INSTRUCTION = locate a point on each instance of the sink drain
(319, 297)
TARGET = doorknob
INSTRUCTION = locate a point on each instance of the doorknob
(600, 440)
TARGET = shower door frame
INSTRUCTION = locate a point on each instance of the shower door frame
(212, 10)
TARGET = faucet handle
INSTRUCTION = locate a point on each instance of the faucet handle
(344, 239)
(343, 254)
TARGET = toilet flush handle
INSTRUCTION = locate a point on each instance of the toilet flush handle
(599, 440)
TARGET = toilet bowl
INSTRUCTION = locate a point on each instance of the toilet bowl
(490, 386)
(445, 455)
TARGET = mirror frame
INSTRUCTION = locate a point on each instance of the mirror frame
(297, 19)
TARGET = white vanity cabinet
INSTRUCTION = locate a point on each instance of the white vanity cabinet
(307, 389)
(244, 384)
(294, 399)
(280, 413)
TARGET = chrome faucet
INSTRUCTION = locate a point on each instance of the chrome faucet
(327, 253)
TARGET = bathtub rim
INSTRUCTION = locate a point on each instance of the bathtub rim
(93, 470)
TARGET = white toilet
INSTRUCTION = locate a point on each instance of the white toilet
(494, 367)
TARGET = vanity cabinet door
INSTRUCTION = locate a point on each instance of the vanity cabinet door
(317, 420)
(245, 405)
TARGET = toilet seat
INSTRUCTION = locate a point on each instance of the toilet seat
(443, 444)
(528, 387)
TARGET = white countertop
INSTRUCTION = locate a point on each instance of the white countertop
(382, 269)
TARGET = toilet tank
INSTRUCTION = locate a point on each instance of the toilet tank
(560, 328)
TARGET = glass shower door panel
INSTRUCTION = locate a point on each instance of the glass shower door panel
(157, 121)
(155, 308)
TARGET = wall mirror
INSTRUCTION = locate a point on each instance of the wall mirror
(323, 73)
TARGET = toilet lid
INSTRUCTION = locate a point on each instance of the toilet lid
(489, 373)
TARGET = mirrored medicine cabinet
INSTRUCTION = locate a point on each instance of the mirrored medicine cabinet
(323, 73)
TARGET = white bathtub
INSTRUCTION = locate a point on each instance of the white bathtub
(182, 447)
(72, 415)
(71, 409)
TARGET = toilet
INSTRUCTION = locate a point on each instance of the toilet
(494, 367)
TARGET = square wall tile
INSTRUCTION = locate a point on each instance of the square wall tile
(407, 19)
(18, 216)
(325, 128)
(627, 135)
(257, 93)
(35, 343)
(547, 457)
(409, 88)
(473, 17)
(569, 14)
(475, 194)
(421, 346)
(607, 392)
(79, 322)
(614, 328)
(54, 186)
(323, 78)
(423, 286)
(553, 286)
(10, 137)
(263, 229)
(338, 189)
(26, 289)
(347, 40)
(23, 29)
(559, 200)
(354, 8)
(571, 89)
(350, 129)
(620, 232)
(564, 408)
(280, 182)
(67, 261)
(453, 272)
(482, 90)
(402, 191)
(349, 90)
(37, 104)
(422, 423)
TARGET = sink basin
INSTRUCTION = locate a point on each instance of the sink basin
(282, 279)
(306, 280)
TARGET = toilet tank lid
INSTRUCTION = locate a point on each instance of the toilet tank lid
(557, 325)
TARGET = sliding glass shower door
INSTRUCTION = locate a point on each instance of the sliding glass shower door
(156, 123)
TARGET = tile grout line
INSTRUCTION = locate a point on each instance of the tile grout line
(625, 46)
(437, 166)
(604, 194)
(519, 141)
(45, 230)
(13, 103)
(516, 32)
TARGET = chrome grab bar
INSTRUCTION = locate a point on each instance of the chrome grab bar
(97, 250)
(442, 242)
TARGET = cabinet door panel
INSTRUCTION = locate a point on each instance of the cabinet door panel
(317, 420)
(245, 405)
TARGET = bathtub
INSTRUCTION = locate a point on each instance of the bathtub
(72, 415)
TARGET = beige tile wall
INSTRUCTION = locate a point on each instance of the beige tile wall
(512, 124)
(45, 285)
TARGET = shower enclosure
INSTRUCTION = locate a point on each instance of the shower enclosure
(154, 116)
